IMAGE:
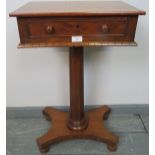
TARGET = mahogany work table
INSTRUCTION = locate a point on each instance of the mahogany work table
(76, 25)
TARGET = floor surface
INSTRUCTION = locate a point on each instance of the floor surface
(131, 128)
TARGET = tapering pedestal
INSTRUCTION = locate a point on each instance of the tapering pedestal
(77, 123)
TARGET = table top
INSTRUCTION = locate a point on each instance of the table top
(76, 8)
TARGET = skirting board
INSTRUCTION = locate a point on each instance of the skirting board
(33, 112)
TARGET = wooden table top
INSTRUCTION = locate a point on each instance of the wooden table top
(76, 8)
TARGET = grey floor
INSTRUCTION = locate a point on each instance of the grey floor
(132, 129)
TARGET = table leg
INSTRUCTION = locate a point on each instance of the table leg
(76, 123)
(77, 119)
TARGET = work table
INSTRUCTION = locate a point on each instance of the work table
(77, 24)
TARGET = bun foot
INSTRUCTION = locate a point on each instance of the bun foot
(112, 147)
(42, 149)
(45, 150)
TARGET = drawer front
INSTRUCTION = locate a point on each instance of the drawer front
(48, 30)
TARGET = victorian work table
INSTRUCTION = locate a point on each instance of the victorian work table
(76, 25)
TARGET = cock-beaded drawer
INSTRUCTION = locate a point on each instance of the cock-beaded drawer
(76, 31)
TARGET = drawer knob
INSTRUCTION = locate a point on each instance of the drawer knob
(49, 29)
(105, 28)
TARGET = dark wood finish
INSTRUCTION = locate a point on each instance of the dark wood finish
(99, 23)
(60, 132)
(77, 119)
(59, 30)
(76, 8)
(49, 24)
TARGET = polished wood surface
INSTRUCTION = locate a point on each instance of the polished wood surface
(76, 24)
(76, 8)
(77, 119)
(60, 132)
(92, 29)
(98, 23)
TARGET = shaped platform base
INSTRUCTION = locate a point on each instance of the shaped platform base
(59, 130)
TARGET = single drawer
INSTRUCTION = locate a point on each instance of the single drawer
(50, 29)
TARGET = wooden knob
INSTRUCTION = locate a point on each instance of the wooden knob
(105, 28)
(49, 29)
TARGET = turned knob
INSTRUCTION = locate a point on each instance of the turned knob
(49, 29)
(105, 28)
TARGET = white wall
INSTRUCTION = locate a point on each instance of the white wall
(113, 75)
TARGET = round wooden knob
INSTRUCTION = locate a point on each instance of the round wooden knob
(49, 29)
(105, 28)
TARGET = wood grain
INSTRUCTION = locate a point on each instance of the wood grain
(77, 119)
(49, 24)
(119, 29)
(76, 8)
(60, 132)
